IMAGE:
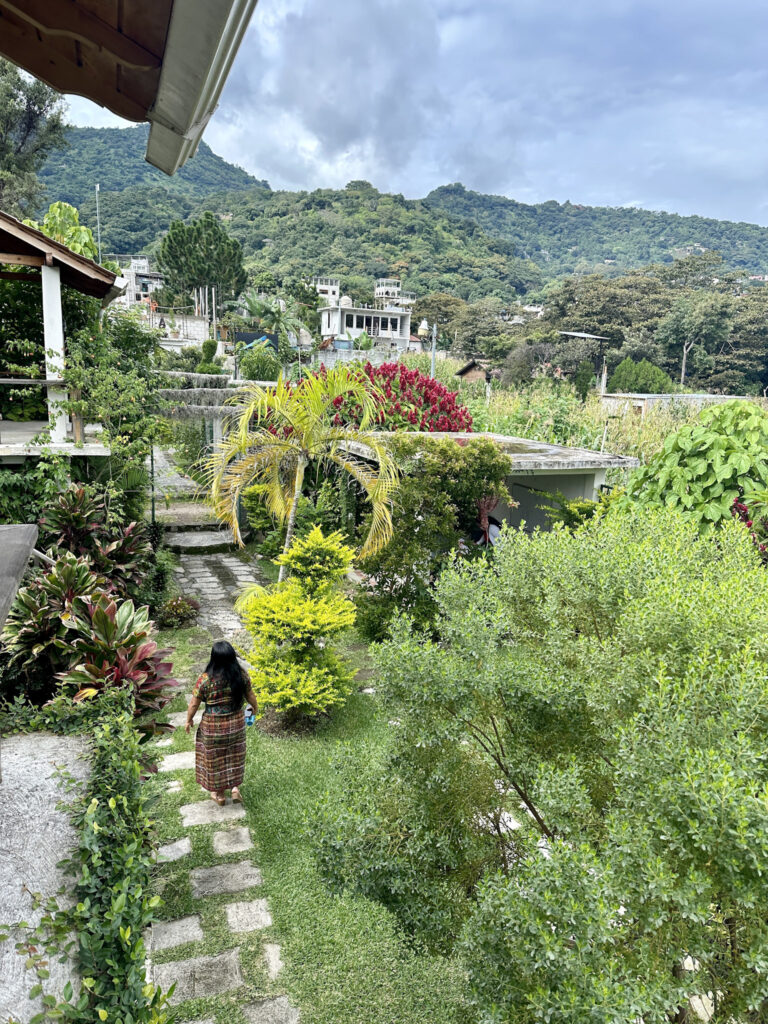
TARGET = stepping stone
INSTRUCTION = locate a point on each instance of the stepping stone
(174, 851)
(206, 812)
(224, 878)
(201, 976)
(166, 742)
(174, 786)
(175, 762)
(271, 1011)
(164, 934)
(200, 541)
(273, 959)
(234, 840)
(248, 916)
(369, 690)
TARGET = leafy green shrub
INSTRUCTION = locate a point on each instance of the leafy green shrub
(112, 866)
(177, 611)
(109, 647)
(206, 367)
(317, 562)
(293, 625)
(706, 465)
(583, 379)
(154, 587)
(209, 347)
(433, 508)
(330, 509)
(77, 522)
(37, 624)
(259, 363)
(601, 695)
(640, 378)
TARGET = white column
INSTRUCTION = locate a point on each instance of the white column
(53, 334)
(218, 429)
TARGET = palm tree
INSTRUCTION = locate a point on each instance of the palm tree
(281, 431)
(278, 316)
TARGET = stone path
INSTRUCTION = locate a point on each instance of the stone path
(217, 581)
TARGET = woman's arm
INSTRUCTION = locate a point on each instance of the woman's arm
(194, 704)
(250, 696)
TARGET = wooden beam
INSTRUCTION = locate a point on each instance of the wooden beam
(11, 275)
(22, 259)
(21, 45)
(67, 18)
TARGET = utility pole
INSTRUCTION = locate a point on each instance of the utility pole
(434, 346)
(98, 220)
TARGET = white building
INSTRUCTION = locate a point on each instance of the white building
(388, 320)
(389, 289)
(142, 281)
(328, 288)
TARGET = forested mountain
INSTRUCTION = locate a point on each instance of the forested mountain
(456, 241)
(114, 157)
(564, 238)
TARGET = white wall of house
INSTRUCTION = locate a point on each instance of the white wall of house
(526, 488)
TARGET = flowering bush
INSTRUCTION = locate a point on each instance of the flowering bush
(755, 518)
(409, 401)
(177, 611)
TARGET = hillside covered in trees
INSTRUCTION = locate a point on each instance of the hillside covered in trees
(566, 238)
(455, 241)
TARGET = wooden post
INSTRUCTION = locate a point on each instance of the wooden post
(53, 333)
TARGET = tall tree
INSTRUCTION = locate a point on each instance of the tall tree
(31, 126)
(697, 321)
(201, 254)
(283, 430)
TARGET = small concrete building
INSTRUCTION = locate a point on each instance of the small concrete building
(537, 469)
(620, 404)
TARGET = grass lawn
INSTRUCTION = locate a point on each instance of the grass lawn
(345, 962)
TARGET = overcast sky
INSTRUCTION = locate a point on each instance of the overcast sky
(655, 103)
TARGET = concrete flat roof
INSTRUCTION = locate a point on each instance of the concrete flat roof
(17, 442)
(526, 455)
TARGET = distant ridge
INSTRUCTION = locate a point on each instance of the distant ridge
(114, 157)
(454, 240)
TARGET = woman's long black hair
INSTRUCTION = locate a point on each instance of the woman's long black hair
(224, 665)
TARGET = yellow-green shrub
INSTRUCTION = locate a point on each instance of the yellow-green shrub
(292, 626)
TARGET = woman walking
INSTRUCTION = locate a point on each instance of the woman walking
(220, 740)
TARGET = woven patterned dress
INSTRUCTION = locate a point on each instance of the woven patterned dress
(220, 739)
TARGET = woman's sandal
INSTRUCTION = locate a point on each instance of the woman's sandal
(220, 800)
(236, 796)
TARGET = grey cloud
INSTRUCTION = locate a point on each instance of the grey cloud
(658, 102)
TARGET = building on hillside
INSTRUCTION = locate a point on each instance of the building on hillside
(142, 280)
(328, 288)
(389, 289)
(387, 321)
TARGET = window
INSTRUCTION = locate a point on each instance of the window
(393, 325)
(138, 296)
(375, 326)
(359, 322)
(368, 324)
(349, 320)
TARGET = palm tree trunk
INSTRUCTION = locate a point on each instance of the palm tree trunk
(298, 484)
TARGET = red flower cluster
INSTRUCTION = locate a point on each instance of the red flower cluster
(758, 531)
(410, 401)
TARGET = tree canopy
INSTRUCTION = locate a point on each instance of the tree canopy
(31, 128)
(201, 254)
